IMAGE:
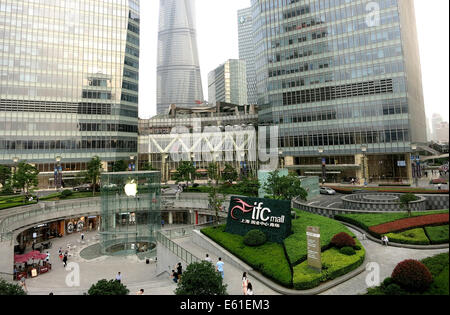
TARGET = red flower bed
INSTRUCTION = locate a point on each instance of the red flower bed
(410, 223)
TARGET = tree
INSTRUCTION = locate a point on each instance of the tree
(10, 289)
(229, 174)
(405, 201)
(111, 287)
(146, 166)
(120, 166)
(213, 172)
(216, 201)
(248, 186)
(25, 177)
(284, 187)
(5, 175)
(201, 279)
(186, 172)
(93, 172)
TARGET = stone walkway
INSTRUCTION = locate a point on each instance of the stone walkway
(386, 257)
(233, 275)
(138, 275)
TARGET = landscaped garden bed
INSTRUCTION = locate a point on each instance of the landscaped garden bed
(423, 228)
(286, 263)
(14, 201)
(430, 276)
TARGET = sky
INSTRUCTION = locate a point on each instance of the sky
(217, 36)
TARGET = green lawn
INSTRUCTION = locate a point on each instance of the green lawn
(76, 195)
(334, 264)
(269, 258)
(365, 221)
(296, 247)
(438, 234)
(13, 201)
(413, 237)
(277, 261)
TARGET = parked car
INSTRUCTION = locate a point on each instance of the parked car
(327, 191)
(84, 187)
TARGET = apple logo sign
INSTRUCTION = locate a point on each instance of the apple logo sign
(131, 189)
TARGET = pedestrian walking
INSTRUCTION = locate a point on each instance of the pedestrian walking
(179, 270)
(162, 223)
(140, 292)
(174, 276)
(250, 289)
(119, 277)
(65, 260)
(47, 259)
(245, 283)
(32, 245)
(208, 259)
(82, 236)
(386, 240)
(23, 284)
(219, 267)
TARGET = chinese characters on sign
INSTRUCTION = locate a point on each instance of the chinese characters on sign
(314, 248)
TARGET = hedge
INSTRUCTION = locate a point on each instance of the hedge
(399, 190)
(269, 258)
(438, 234)
(413, 237)
(335, 265)
(410, 223)
(296, 244)
(365, 221)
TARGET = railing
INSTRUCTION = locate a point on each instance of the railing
(177, 249)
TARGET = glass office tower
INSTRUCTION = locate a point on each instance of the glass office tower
(69, 72)
(178, 80)
(228, 83)
(342, 79)
(247, 51)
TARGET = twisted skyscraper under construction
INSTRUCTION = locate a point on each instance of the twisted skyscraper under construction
(179, 78)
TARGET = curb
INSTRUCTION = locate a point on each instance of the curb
(391, 244)
(285, 291)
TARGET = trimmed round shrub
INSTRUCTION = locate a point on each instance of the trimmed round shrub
(66, 193)
(343, 240)
(356, 247)
(349, 251)
(255, 238)
(412, 276)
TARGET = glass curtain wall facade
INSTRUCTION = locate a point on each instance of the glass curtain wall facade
(247, 51)
(131, 214)
(178, 74)
(337, 76)
(228, 83)
(69, 72)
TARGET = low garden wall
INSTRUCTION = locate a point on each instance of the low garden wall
(380, 202)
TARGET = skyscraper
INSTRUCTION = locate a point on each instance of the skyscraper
(178, 79)
(247, 51)
(69, 74)
(342, 80)
(228, 83)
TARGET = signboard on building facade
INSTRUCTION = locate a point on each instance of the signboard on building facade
(273, 217)
(314, 248)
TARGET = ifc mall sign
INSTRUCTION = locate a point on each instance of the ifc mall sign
(273, 217)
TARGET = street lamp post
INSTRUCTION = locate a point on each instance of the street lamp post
(280, 152)
(133, 164)
(416, 166)
(58, 173)
(364, 151)
(324, 165)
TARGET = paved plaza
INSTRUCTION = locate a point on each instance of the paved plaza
(138, 275)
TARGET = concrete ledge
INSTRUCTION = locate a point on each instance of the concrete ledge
(392, 244)
(209, 245)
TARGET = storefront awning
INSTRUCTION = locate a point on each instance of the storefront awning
(36, 255)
